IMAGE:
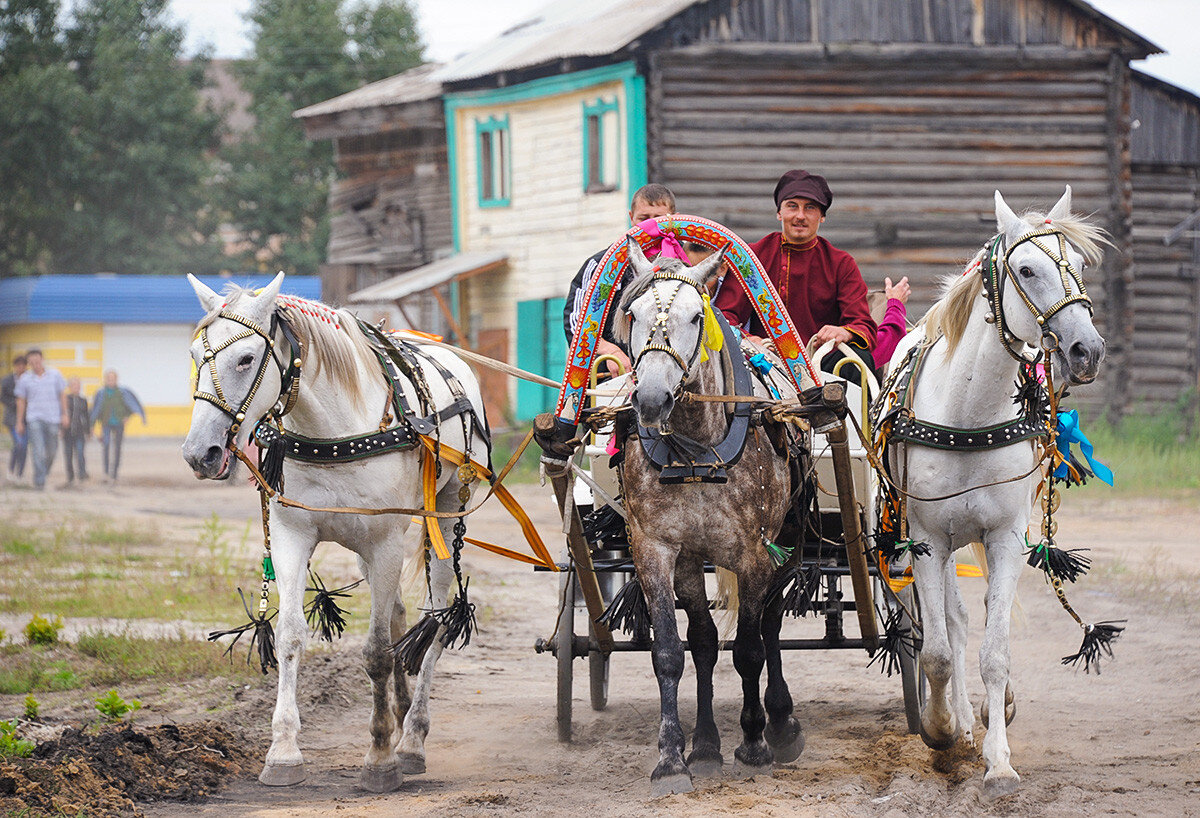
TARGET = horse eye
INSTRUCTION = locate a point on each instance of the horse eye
(244, 363)
(696, 318)
(1026, 272)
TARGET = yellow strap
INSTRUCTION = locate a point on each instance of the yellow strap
(429, 486)
(504, 552)
(900, 583)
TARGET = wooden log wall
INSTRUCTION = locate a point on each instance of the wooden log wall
(913, 149)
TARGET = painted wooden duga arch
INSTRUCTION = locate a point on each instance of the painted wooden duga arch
(612, 267)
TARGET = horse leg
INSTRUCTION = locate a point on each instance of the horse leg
(416, 722)
(656, 569)
(749, 656)
(956, 631)
(1004, 567)
(289, 555)
(783, 732)
(938, 723)
(381, 769)
(705, 760)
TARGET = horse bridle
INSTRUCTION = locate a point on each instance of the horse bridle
(289, 374)
(660, 326)
(995, 274)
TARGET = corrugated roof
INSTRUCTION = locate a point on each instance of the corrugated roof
(424, 278)
(564, 28)
(413, 85)
(123, 299)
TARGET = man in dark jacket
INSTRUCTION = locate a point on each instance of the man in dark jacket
(8, 397)
(111, 407)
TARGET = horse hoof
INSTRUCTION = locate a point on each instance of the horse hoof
(708, 766)
(381, 779)
(282, 775)
(938, 743)
(411, 763)
(1000, 784)
(670, 785)
(787, 742)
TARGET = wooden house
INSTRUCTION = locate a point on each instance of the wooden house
(915, 111)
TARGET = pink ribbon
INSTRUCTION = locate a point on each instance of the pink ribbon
(669, 246)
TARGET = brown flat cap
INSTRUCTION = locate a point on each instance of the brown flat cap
(802, 184)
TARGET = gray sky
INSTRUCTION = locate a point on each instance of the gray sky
(451, 27)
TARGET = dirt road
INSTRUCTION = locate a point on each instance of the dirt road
(1124, 743)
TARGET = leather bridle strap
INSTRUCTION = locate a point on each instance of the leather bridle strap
(1066, 271)
(659, 326)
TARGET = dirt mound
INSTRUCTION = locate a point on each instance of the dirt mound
(104, 771)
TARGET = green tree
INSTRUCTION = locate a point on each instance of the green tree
(275, 182)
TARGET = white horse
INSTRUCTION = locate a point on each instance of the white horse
(967, 382)
(244, 362)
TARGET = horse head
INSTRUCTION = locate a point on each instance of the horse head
(660, 322)
(238, 376)
(1041, 287)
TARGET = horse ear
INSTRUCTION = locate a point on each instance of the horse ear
(1009, 223)
(269, 292)
(209, 300)
(1062, 209)
(709, 269)
(637, 258)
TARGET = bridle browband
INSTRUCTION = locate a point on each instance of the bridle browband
(289, 374)
(994, 275)
(659, 326)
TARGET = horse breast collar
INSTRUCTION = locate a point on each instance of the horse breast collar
(683, 460)
(904, 426)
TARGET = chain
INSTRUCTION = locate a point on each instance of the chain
(268, 570)
(460, 531)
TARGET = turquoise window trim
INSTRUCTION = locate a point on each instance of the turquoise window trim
(598, 109)
(494, 125)
(635, 101)
(541, 348)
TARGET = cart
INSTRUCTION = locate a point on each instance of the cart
(594, 572)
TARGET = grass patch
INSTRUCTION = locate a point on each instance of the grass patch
(1150, 452)
(105, 660)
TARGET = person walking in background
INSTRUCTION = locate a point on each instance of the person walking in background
(8, 396)
(75, 433)
(41, 411)
(111, 407)
(892, 326)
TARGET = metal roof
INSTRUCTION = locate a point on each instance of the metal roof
(414, 85)
(123, 299)
(427, 277)
(564, 28)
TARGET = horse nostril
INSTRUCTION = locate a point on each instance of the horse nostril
(213, 456)
(1079, 353)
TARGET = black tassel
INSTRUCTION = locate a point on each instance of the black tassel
(628, 612)
(799, 586)
(896, 640)
(604, 527)
(1097, 642)
(458, 619)
(411, 648)
(322, 612)
(1068, 565)
(1077, 473)
(271, 447)
(262, 637)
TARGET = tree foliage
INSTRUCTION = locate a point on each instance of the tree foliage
(276, 183)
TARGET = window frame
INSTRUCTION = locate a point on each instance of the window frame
(487, 131)
(597, 111)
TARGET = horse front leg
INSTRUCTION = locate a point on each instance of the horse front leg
(749, 656)
(290, 553)
(1004, 567)
(956, 632)
(939, 726)
(783, 732)
(381, 769)
(655, 570)
(705, 759)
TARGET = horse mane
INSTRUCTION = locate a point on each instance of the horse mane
(948, 316)
(327, 346)
(638, 287)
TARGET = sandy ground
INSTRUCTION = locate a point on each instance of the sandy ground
(1123, 743)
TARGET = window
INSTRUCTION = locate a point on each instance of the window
(601, 146)
(493, 158)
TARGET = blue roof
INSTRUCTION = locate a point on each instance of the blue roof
(124, 299)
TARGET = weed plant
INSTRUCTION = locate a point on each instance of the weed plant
(1150, 452)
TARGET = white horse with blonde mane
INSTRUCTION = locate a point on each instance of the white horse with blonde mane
(975, 344)
(244, 361)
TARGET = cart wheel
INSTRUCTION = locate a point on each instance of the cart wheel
(912, 679)
(563, 648)
(598, 678)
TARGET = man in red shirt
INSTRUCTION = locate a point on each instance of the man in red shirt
(820, 285)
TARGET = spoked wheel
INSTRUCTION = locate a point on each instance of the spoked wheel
(598, 678)
(564, 639)
(911, 676)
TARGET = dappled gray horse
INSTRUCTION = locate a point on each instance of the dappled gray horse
(675, 528)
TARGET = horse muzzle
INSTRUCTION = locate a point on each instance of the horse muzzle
(1083, 359)
(211, 463)
(653, 406)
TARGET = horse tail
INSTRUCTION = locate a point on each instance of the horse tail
(412, 576)
(726, 601)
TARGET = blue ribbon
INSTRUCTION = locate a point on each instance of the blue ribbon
(759, 361)
(1068, 433)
